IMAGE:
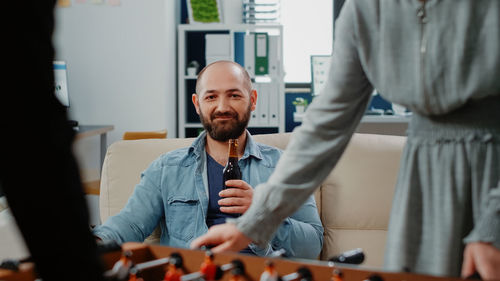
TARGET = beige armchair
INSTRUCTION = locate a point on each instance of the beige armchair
(354, 201)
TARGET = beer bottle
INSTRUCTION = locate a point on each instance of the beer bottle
(232, 170)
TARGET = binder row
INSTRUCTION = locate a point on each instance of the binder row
(257, 52)
(267, 110)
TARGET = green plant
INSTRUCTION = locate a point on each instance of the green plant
(193, 64)
(300, 101)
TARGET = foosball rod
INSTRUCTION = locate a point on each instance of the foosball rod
(151, 264)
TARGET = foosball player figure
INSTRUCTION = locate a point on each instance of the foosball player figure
(237, 274)
(305, 274)
(337, 275)
(302, 274)
(374, 277)
(270, 273)
(174, 271)
(237, 270)
(122, 267)
(133, 275)
(208, 267)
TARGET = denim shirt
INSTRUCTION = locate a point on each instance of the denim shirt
(173, 192)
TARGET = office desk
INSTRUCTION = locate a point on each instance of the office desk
(85, 131)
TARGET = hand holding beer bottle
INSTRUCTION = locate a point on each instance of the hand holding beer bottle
(237, 194)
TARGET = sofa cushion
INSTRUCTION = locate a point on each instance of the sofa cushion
(356, 197)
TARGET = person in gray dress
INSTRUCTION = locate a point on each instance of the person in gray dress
(440, 59)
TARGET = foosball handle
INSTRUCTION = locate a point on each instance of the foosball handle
(281, 253)
(238, 264)
(355, 256)
(305, 274)
(374, 277)
(218, 273)
(176, 260)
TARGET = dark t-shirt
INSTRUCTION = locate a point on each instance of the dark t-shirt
(214, 215)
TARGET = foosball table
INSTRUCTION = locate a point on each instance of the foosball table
(146, 262)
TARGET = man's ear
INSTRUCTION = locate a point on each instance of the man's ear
(253, 99)
(196, 102)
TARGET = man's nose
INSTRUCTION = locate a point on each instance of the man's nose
(223, 105)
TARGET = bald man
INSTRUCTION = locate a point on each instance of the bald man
(182, 190)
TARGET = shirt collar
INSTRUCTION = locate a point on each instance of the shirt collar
(198, 145)
(251, 148)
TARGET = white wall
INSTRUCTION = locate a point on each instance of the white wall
(121, 68)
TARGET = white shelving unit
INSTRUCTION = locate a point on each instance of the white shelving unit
(191, 46)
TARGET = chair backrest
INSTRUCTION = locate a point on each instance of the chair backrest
(137, 135)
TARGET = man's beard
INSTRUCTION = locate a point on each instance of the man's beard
(229, 129)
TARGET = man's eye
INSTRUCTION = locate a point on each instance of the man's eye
(210, 97)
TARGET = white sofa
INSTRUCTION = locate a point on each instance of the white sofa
(354, 201)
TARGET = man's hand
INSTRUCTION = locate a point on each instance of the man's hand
(237, 199)
(483, 258)
(226, 236)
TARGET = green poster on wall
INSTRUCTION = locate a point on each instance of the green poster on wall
(204, 11)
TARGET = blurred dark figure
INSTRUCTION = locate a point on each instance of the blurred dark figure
(38, 173)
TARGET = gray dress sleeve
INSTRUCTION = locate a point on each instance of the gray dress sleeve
(487, 228)
(317, 145)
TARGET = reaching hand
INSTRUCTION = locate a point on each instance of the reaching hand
(237, 198)
(226, 236)
(483, 258)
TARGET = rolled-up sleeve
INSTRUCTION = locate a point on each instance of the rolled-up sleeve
(301, 235)
(487, 228)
